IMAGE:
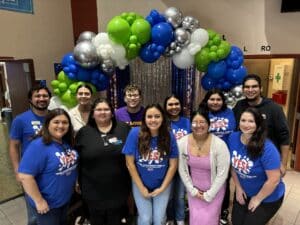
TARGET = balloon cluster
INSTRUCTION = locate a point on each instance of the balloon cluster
(233, 95)
(226, 73)
(65, 89)
(171, 34)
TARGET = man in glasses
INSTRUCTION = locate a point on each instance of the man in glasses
(23, 129)
(133, 111)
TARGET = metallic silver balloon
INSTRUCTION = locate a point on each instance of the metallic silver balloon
(182, 36)
(85, 54)
(190, 23)
(108, 66)
(174, 16)
(229, 100)
(237, 91)
(86, 36)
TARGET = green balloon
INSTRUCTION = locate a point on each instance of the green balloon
(62, 77)
(62, 87)
(132, 51)
(68, 99)
(133, 39)
(221, 53)
(118, 30)
(56, 91)
(211, 34)
(213, 56)
(73, 88)
(54, 83)
(141, 28)
(213, 48)
(217, 40)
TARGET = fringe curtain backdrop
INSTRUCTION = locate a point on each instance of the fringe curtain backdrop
(154, 79)
(157, 81)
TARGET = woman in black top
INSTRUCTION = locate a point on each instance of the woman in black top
(103, 176)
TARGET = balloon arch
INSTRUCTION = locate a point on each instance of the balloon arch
(129, 35)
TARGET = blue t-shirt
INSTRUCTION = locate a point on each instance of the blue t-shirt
(252, 173)
(54, 169)
(24, 127)
(153, 168)
(222, 123)
(181, 127)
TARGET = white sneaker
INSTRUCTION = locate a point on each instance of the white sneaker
(170, 222)
(180, 222)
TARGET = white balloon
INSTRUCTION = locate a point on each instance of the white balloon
(194, 48)
(200, 36)
(183, 59)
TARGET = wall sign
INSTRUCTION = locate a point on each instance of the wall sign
(24, 6)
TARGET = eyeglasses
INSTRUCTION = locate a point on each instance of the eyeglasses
(132, 95)
(198, 123)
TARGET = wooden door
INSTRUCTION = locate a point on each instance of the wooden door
(19, 79)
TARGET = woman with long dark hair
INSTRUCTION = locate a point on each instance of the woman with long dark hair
(48, 169)
(103, 178)
(180, 127)
(255, 164)
(151, 157)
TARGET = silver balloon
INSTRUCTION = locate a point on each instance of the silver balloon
(178, 49)
(108, 66)
(182, 36)
(190, 23)
(86, 36)
(229, 100)
(86, 55)
(174, 16)
(237, 91)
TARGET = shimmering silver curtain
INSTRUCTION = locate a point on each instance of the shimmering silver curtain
(154, 79)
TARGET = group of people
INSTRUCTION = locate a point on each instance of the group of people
(151, 157)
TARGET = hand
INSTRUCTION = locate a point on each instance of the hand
(240, 195)
(200, 195)
(42, 206)
(254, 203)
(282, 170)
(156, 192)
(145, 192)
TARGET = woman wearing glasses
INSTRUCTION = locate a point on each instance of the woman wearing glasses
(103, 176)
(203, 167)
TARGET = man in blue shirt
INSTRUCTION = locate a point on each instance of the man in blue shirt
(25, 126)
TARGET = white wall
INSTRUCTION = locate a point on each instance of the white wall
(44, 36)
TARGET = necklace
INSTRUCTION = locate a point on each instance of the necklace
(200, 145)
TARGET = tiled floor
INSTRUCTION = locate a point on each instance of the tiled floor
(14, 213)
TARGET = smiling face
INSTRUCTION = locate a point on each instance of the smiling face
(247, 123)
(133, 99)
(199, 125)
(102, 113)
(83, 96)
(252, 90)
(173, 108)
(58, 127)
(40, 99)
(215, 102)
(153, 120)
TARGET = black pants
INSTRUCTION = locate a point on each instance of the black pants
(105, 216)
(263, 213)
(226, 200)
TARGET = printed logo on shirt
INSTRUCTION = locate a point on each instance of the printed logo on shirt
(152, 160)
(36, 126)
(179, 133)
(67, 162)
(134, 123)
(115, 141)
(218, 124)
(242, 164)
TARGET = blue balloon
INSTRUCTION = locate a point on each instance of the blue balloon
(216, 70)
(226, 86)
(236, 76)
(72, 76)
(207, 83)
(68, 59)
(162, 34)
(84, 74)
(147, 55)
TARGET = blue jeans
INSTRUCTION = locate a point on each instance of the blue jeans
(56, 216)
(31, 213)
(176, 206)
(151, 210)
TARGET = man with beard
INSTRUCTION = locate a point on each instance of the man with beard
(277, 126)
(133, 111)
(25, 126)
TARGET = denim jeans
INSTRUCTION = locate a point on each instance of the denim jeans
(31, 213)
(176, 206)
(56, 216)
(151, 210)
